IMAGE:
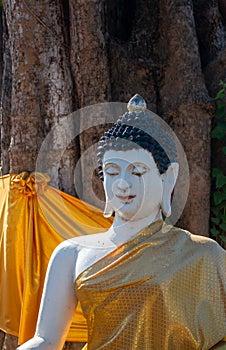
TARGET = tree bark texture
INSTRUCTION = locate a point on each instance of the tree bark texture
(41, 83)
(59, 56)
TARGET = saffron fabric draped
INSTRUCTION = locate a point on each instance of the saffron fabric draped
(34, 219)
(164, 289)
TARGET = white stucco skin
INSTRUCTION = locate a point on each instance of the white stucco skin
(138, 195)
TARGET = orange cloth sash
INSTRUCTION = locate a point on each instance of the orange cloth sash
(34, 219)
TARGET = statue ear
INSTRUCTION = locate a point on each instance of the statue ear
(169, 179)
(108, 211)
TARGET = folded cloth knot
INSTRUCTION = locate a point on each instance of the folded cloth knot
(29, 184)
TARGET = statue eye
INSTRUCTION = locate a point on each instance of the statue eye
(137, 173)
(139, 170)
(112, 171)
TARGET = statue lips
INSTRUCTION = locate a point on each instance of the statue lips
(126, 199)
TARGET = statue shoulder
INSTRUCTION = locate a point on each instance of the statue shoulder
(197, 243)
(90, 241)
(72, 246)
(64, 254)
(76, 254)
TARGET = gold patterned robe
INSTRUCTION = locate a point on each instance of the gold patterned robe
(162, 290)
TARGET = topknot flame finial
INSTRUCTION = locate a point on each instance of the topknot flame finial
(136, 103)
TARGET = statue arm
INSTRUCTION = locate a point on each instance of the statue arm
(58, 301)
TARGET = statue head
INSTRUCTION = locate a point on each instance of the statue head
(128, 152)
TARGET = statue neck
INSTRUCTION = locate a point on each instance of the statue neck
(122, 230)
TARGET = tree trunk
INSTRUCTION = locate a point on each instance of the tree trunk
(36, 92)
(6, 83)
(184, 104)
(90, 69)
(115, 49)
(41, 90)
(59, 56)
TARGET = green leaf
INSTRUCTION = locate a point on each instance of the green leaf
(222, 124)
(216, 172)
(223, 217)
(223, 227)
(220, 111)
(220, 94)
(219, 197)
(223, 238)
(221, 104)
(222, 83)
(217, 133)
(224, 149)
(220, 181)
(214, 232)
(215, 211)
(215, 220)
(221, 206)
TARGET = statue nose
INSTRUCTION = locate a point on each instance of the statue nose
(123, 185)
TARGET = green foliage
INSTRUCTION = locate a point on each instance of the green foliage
(218, 196)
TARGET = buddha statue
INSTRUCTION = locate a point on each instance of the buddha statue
(143, 284)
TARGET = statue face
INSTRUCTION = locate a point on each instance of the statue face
(132, 183)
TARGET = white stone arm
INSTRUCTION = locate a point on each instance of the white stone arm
(58, 301)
